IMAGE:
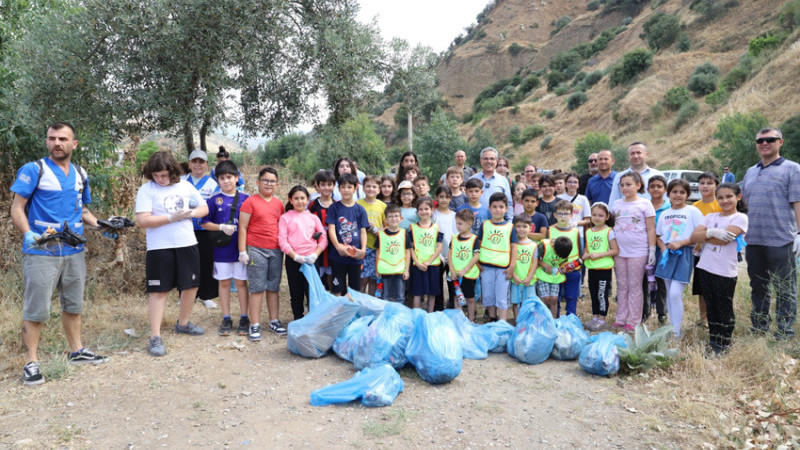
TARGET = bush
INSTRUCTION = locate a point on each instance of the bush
(790, 14)
(593, 5)
(561, 89)
(627, 21)
(661, 30)
(706, 68)
(735, 135)
(593, 78)
(492, 90)
(601, 42)
(718, 98)
(702, 84)
(529, 83)
(687, 111)
(575, 100)
(630, 7)
(684, 44)
(550, 113)
(675, 97)
(532, 131)
(562, 22)
(555, 78)
(791, 135)
(480, 34)
(545, 142)
(568, 63)
(765, 42)
(736, 77)
(712, 9)
(592, 142)
(515, 135)
(514, 49)
(632, 64)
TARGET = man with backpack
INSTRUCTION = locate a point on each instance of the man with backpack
(50, 197)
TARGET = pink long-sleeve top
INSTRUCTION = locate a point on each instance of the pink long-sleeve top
(295, 230)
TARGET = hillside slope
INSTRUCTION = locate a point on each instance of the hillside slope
(627, 112)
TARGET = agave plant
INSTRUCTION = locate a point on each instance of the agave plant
(646, 350)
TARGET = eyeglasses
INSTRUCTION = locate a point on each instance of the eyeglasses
(593, 160)
(573, 182)
(268, 182)
(769, 140)
(563, 214)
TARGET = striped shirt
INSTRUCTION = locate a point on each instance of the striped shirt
(769, 193)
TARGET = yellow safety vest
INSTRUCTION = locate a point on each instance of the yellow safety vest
(525, 254)
(496, 244)
(392, 260)
(424, 242)
(598, 242)
(461, 253)
(573, 236)
(553, 260)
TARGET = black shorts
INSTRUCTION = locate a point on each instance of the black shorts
(170, 268)
(697, 287)
(345, 275)
(468, 287)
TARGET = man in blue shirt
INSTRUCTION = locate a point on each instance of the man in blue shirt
(598, 188)
(728, 176)
(55, 192)
(771, 191)
(493, 181)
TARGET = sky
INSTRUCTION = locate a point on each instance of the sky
(434, 23)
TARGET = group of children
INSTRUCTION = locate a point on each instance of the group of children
(405, 243)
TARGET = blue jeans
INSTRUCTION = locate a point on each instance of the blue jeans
(772, 265)
(393, 288)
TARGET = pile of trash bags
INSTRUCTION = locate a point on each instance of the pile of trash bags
(600, 356)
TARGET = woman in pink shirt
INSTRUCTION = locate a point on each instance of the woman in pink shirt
(302, 238)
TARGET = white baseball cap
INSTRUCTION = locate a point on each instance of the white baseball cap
(198, 154)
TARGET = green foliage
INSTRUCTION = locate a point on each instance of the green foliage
(550, 113)
(736, 134)
(626, 21)
(706, 68)
(646, 350)
(515, 135)
(436, 143)
(630, 7)
(718, 97)
(676, 97)
(481, 139)
(514, 49)
(593, 5)
(592, 142)
(687, 111)
(684, 44)
(532, 131)
(555, 78)
(712, 9)
(492, 90)
(632, 64)
(575, 100)
(765, 42)
(790, 14)
(529, 83)
(545, 142)
(568, 63)
(145, 151)
(601, 42)
(560, 90)
(355, 139)
(702, 84)
(562, 22)
(278, 151)
(661, 30)
(736, 77)
(593, 78)
(791, 136)
(702, 163)
(480, 34)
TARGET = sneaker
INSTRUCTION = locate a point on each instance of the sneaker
(31, 375)
(156, 346)
(209, 304)
(226, 327)
(84, 356)
(277, 327)
(244, 326)
(189, 328)
(255, 333)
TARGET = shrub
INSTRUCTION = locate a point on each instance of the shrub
(561, 89)
(630, 7)
(545, 142)
(575, 100)
(627, 21)
(492, 90)
(706, 68)
(532, 131)
(712, 9)
(764, 42)
(791, 135)
(735, 135)
(529, 83)
(684, 44)
(515, 135)
(675, 97)
(592, 142)
(702, 84)
(718, 98)
(514, 49)
(562, 22)
(593, 5)
(735, 78)
(567, 63)
(661, 30)
(687, 111)
(550, 113)
(632, 64)
(593, 78)
(554, 78)
(480, 34)
(790, 14)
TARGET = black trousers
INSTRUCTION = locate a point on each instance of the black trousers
(209, 287)
(438, 303)
(600, 290)
(718, 293)
(298, 287)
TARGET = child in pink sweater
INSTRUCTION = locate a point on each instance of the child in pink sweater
(302, 238)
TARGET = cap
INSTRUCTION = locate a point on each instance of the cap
(405, 184)
(198, 154)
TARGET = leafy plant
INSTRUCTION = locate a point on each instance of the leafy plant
(684, 44)
(687, 111)
(514, 49)
(515, 135)
(632, 64)
(562, 22)
(555, 78)
(735, 134)
(718, 97)
(646, 350)
(764, 42)
(704, 79)
(575, 100)
(561, 89)
(675, 97)
(661, 30)
(545, 142)
(592, 78)
(532, 131)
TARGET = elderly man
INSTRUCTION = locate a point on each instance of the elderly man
(598, 188)
(637, 158)
(493, 181)
(592, 164)
(771, 190)
(461, 163)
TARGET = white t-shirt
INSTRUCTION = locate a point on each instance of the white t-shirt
(678, 224)
(162, 201)
(447, 226)
(721, 259)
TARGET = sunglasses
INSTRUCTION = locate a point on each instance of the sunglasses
(592, 160)
(767, 139)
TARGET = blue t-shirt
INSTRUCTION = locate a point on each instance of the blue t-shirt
(56, 199)
(207, 187)
(219, 212)
(348, 220)
(538, 221)
(482, 214)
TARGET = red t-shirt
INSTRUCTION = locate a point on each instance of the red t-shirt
(262, 231)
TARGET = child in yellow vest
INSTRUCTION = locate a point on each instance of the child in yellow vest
(523, 282)
(463, 259)
(498, 240)
(425, 242)
(601, 248)
(391, 258)
(571, 287)
(548, 276)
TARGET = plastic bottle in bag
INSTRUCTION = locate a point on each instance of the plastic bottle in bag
(462, 301)
(379, 288)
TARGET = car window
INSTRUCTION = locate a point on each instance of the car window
(691, 177)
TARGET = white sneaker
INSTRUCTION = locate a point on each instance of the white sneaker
(209, 304)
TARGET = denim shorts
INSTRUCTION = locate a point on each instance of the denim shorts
(368, 265)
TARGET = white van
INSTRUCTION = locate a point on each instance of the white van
(690, 176)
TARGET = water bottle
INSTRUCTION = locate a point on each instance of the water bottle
(459, 293)
(571, 266)
(651, 277)
(379, 288)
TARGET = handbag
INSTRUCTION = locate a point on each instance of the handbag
(219, 238)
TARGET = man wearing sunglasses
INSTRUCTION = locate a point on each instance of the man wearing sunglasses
(593, 169)
(771, 191)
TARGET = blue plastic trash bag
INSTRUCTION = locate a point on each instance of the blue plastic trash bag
(313, 335)
(316, 291)
(499, 333)
(375, 386)
(386, 338)
(570, 338)
(532, 339)
(435, 348)
(475, 340)
(345, 344)
(600, 356)
(370, 306)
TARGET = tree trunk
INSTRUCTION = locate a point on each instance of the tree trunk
(188, 139)
(203, 133)
(410, 131)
